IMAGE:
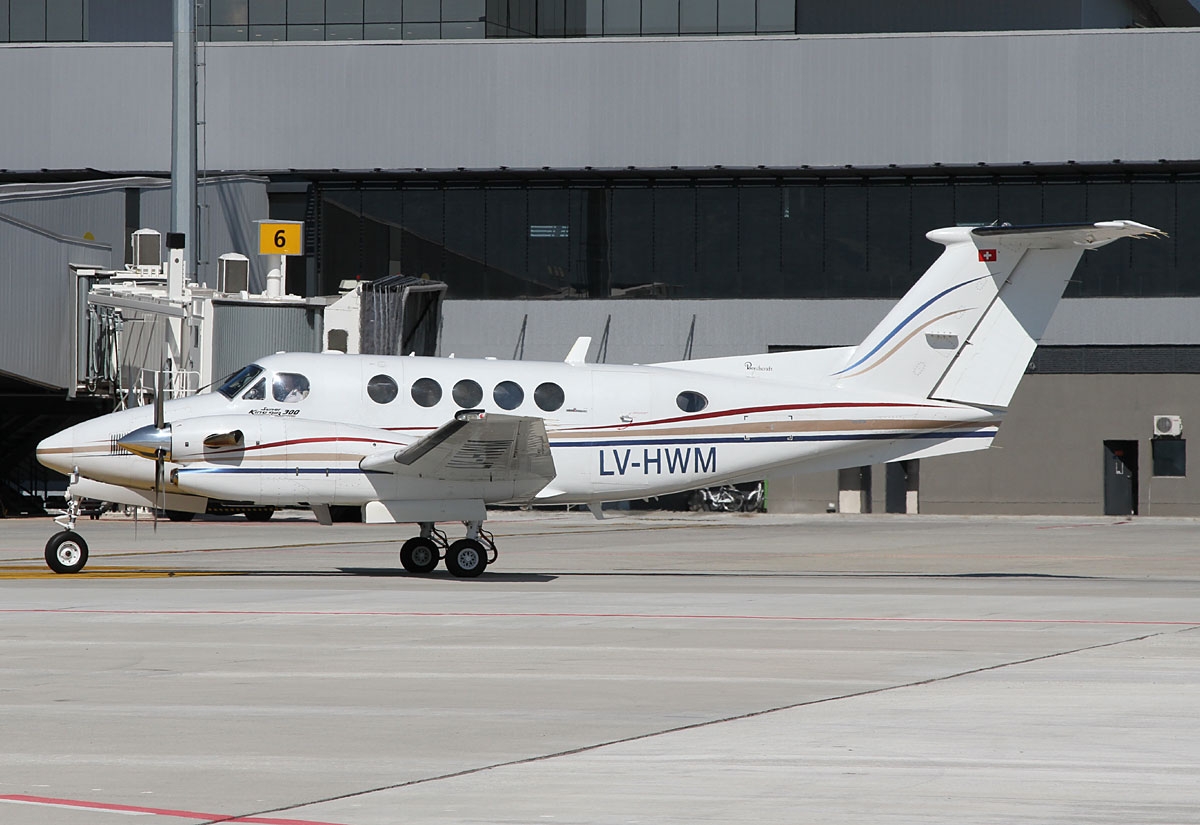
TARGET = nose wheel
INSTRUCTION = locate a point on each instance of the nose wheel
(66, 552)
(466, 558)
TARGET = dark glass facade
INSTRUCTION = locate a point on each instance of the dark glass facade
(261, 20)
(736, 238)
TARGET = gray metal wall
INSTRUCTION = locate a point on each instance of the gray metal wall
(652, 331)
(38, 300)
(41, 233)
(228, 206)
(867, 100)
(243, 333)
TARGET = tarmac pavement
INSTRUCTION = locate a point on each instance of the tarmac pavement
(667, 668)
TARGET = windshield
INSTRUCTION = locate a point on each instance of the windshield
(236, 382)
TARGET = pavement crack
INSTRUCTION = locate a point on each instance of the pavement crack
(545, 757)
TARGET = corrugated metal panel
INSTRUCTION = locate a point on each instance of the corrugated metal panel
(229, 206)
(37, 300)
(100, 213)
(41, 227)
(243, 333)
(866, 100)
(649, 331)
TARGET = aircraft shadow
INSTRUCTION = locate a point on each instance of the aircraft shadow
(392, 572)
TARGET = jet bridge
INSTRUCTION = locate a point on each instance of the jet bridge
(95, 339)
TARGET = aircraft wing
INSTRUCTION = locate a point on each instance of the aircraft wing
(474, 446)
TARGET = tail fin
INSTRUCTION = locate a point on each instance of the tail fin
(966, 330)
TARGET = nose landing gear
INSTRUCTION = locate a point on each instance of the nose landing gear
(67, 552)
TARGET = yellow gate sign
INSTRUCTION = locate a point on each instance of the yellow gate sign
(280, 237)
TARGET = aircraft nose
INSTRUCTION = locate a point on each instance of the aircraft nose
(58, 451)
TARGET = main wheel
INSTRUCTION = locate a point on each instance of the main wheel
(179, 515)
(466, 558)
(66, 552)
(419, 555)
(259, 513)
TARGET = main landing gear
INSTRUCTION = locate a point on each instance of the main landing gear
(67, 552)
(465, 558)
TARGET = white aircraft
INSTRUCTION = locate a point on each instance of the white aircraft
(426, 440)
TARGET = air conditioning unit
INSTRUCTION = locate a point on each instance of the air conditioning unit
(233, 273)
(1166, 426)
(147, 250)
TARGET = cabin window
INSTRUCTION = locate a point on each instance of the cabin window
(289, 387)
(258, 392)
(690, 401)
(382, 389)
(467, 394)
(548, 396)
(426, 392)
(239, 380)
(508, 395)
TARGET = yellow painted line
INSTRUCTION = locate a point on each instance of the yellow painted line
(43, 572)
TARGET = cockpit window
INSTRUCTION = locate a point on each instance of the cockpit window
(289, 387)
(258, 392)
(239, 380)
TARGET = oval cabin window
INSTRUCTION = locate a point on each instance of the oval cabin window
(426, 392)
(548, 396)
(467, 394)
(382, 389)
(691, 402)
(508, 395)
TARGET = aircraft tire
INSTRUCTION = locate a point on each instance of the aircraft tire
(66, 552)
(179, 515)
(466, 559)
(259, 513)
(419, 555)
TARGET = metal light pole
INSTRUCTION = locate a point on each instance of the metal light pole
(183, 141)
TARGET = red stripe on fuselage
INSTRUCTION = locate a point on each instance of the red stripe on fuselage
(751, 411)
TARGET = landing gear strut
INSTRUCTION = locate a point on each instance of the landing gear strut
(67, 552)
(466, 558)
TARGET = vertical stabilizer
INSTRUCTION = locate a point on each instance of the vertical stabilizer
(967, 329)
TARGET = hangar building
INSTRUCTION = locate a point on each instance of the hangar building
(675, 178)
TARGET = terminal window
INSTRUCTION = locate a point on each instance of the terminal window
(1169, 456)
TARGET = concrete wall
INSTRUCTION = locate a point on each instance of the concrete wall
(866, 100)
(1049, 456)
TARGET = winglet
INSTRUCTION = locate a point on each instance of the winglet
(579, 350)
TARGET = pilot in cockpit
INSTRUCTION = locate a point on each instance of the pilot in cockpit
(290, 387)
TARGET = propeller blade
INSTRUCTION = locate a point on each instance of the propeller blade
(159, 462)
(159, 416)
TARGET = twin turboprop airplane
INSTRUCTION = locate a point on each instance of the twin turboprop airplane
(427, 440)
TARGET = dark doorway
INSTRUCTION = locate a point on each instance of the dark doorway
(1120, 478)
(902, 486)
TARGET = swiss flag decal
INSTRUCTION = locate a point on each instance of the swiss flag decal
(987, 255)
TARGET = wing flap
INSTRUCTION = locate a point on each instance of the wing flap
(474, 446)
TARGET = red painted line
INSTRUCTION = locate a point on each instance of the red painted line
(137, 809)
(315, 440)
(551, 615)
(750, 411)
